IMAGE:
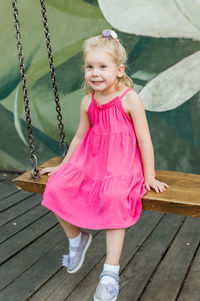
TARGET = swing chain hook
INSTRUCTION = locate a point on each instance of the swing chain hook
(35, 172)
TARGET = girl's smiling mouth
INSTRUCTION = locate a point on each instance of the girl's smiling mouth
(97, 82)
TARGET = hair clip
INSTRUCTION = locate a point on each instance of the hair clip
(107, 33)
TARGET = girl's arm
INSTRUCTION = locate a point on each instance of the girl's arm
(137, 112)
(83, 126)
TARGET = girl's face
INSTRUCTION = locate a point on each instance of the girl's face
(101, 72)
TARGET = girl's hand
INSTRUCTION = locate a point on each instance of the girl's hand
(155, 184)
(49, 170)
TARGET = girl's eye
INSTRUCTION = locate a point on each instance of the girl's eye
(89, 67)
(103, 66)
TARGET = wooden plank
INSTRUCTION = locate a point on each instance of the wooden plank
(140, 269)
(182, 197)
(8, 187)
(23, 260)
(137, 261)
(191, 287)
(14, 199)
(175, 177)
(6, 176)
(20, 208)
(173, 200)
(170, 274)
(96, 256)
(26, 236)
(22, 222)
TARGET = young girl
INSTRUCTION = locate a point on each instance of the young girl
(109, 165)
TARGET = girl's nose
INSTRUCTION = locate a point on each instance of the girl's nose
(95, 71)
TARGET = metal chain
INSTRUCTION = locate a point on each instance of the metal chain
(33, 158)
(63, 144)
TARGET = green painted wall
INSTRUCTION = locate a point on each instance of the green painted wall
(164, 69)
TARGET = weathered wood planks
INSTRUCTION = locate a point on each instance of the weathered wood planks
(160, 257)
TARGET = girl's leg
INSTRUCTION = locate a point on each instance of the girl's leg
(109, 276)
(79, 242)
(114, 245)
(70, 230)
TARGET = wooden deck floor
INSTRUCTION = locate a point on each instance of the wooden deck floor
(160, 259)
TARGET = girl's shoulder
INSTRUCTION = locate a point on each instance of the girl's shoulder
(133, 101)
(132, 93)
(86, 101)
(133, 97)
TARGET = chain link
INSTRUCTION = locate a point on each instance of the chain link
(33, 158)
(63, 144)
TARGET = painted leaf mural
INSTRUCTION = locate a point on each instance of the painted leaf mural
(150, 17)
(163, 61)
(174, 86)
(191, 10)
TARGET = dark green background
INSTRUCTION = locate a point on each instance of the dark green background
(175, 133)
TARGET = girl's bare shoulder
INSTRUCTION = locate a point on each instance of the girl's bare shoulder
(85, 103)
(133, 99)
(133, 102)
(133, 96)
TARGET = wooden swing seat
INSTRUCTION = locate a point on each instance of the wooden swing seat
(182, 196)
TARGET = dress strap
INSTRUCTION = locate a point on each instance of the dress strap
(124, 93)
(92, 96)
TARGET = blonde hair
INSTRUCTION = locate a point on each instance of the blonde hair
(116, 50)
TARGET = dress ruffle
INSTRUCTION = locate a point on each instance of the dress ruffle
(115, 198)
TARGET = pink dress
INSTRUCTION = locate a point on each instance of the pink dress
(102, 184)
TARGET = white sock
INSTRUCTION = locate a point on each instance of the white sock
(74, 242)
(113, 268)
